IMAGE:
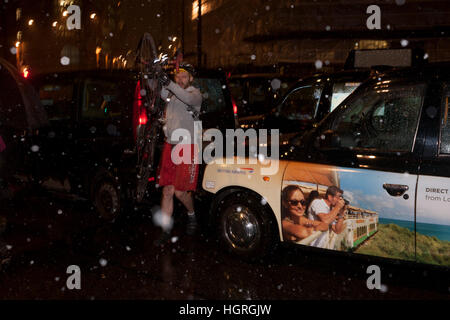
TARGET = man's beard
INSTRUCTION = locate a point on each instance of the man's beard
(185, 86)
(188, 85)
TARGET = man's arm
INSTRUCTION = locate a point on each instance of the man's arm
(331, 216)
(164, 93)
(191, 98)
(339, 226)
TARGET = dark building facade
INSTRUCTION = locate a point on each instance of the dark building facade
(236, 35)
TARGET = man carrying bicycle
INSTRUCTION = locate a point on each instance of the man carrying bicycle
(183, 108)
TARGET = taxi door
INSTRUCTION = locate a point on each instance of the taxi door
(433, 190)
(366, 148)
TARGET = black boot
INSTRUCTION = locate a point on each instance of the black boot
(192, 225)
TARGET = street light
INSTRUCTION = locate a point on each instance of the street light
(30, 22)
(97, 55)
(92, 16)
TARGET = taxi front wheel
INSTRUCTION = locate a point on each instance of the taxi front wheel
(246, 226)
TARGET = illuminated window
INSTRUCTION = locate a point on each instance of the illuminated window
(369, 44)
(206, 7)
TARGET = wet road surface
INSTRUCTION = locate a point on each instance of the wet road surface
(118, 260)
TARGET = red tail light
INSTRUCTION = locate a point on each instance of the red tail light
(143, 118)
(142, 114)
(25, 73)
(235, 110)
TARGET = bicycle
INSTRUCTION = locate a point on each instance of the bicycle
(149, 67)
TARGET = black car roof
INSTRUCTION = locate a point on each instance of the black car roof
(426, 72)
(127, 73)
(85, 73)
(357, 75)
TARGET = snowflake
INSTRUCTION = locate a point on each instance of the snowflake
(65, 61)
(318, 64)
(103, 262)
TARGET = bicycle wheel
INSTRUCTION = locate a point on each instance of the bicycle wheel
(146, 162)
(150, 91)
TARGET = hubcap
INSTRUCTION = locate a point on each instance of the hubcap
(109, 199)
(241, 227)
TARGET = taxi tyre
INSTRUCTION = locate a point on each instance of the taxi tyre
(106, 196)
(262, 232)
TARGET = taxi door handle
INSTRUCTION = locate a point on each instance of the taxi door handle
(395, 190)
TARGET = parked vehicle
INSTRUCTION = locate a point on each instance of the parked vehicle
(387, 146)
(307, 102)
(89, 149)
(254, 94)
(21, 117)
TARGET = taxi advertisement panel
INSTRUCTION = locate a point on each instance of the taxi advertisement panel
(375, 217)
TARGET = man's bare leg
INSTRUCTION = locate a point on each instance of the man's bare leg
(186, 199)
(166, 215)
(167, 200)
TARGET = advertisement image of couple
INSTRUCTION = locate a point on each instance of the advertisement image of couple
(317, 218)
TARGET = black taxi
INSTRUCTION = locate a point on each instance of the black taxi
(88, 150)
(373, 177)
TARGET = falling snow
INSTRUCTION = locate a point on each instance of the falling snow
(318, 64)
(103, 262)
(261, 157)
(162, 220)
(275, 84)
(65, 61)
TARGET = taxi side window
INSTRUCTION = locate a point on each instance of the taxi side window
(383, 118)
(213, 99)
(301, 104)
(445, 123)
(342, 90)
(101, 100)
(56, 98)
